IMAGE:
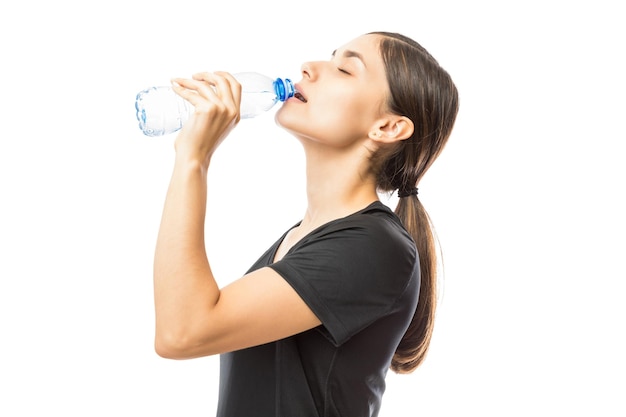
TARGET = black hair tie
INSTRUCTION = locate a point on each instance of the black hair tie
(406, 193)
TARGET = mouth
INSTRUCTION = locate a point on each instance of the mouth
(298, 95)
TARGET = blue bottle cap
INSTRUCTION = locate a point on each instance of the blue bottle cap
(284, 88)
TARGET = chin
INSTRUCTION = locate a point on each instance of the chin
(285, 119)
(298, 125)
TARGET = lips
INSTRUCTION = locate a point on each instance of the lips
(298, 94)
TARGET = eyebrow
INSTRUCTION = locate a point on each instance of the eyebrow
(351, 54)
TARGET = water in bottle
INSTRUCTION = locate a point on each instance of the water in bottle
(161, 111)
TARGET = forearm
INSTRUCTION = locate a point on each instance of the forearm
(184, 287)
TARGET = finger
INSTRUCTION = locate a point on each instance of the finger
(220, 84)
(235, 86)
(227, 88)
(198, 93)
(197, 86)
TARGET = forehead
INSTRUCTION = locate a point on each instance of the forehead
(367, 46)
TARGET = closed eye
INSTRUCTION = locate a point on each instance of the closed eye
(343, 70)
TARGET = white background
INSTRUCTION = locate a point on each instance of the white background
(527, 198)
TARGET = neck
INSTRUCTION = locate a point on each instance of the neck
(338, 183)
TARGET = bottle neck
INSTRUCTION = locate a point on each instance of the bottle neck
(284, 88)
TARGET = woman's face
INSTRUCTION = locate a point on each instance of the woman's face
(342, 96)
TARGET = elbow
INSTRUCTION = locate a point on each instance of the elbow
(181, 346)
(167, 350)
(169, 346)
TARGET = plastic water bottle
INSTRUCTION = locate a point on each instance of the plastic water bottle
(161, 111)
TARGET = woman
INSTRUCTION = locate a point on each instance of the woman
(314, 325)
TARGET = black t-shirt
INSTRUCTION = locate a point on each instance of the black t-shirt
(360, 276)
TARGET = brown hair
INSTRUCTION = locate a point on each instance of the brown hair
(424, 92)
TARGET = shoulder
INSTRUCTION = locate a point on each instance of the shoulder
(369, 243)
(375, 228)
(354, 270)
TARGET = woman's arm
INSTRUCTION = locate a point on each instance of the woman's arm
(193, 316)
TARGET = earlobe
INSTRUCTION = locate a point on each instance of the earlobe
(376, 134)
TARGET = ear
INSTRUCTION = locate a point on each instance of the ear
(391, 129)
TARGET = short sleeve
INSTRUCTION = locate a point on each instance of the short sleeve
(352, 272)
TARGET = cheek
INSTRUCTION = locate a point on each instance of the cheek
(343, 111)
(337, 120)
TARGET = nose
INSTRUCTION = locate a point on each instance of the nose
(310, 70)
(306, 70)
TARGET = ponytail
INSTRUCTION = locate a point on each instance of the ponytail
(413, 347)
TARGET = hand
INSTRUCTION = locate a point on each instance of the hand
(216, 99)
